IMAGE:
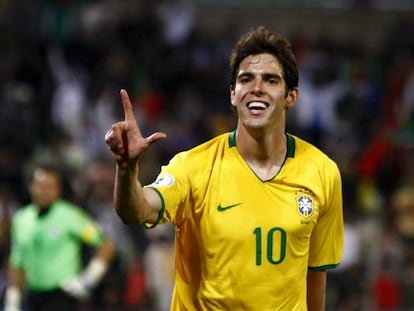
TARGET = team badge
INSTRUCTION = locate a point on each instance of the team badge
(305, 205)
(164, 180)
(53, 233)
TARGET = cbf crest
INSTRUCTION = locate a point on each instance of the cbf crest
(305, 205)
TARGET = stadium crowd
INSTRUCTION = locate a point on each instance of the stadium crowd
(63, 63)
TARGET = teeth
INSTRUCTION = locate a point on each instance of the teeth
(256, 105)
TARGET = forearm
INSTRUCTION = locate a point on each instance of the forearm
(82, 285)
(16, 278)
(133, 203)
(106, 251)
(129, 198)
(316, 290)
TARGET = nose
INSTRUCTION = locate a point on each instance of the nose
(257, 86)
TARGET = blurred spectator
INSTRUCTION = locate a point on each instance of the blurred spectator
(47, 235)
(9, 204)
(386, 289)
(136, 296)
(402, 204)
(98, 202)
(69, 98)
(159, 263)
(178, 19)
(321, 88)
(403, 210)
(345, 291)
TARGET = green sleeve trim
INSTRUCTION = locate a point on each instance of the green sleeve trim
(160, 214)
(323, 268)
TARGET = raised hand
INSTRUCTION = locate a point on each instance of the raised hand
(125, 140)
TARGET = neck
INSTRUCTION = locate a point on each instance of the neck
(43, 210)
(263, 152)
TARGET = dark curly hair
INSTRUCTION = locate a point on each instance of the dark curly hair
(262, 40)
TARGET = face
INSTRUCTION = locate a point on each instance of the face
(259, 93)
(44, 188)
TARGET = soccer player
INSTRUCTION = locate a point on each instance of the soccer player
(257, 211)
(46, 258)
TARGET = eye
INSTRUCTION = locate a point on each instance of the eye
(244, 79)
(272, 81)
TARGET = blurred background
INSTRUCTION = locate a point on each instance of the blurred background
(63, 62)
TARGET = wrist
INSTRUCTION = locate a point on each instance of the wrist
(12, 298)
(94, 272)
(127, 164)
(125, 169)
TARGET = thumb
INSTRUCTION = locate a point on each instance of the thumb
(155, 137)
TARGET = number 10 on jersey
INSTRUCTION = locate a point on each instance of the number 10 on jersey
(273, 240)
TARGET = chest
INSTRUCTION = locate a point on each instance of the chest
(42, 233)
(231, 205)
(238, 206)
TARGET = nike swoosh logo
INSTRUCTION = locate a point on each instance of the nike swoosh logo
(223, 208)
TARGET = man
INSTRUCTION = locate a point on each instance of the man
(258, 212)
(47, 238)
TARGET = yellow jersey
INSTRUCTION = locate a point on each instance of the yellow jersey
(243, 243)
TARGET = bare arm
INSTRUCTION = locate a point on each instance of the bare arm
(316, 290)
(132, 203)
(106, 251)
(16, 278)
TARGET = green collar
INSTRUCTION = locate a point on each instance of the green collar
(290, 143)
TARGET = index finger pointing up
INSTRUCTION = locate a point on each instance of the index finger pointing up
(126, 102)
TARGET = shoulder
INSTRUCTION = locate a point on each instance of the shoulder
(305, 149)
(66, 205)
(24, 212)
(308, 154)
(194, 165)
(67, 208)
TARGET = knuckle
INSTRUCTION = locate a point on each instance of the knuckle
(108, 135)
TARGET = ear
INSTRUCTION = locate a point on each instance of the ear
(232, 95)
(292, 97)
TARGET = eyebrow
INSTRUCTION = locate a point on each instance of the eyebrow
(265, 75)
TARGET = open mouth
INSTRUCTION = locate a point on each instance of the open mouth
(256, 106)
